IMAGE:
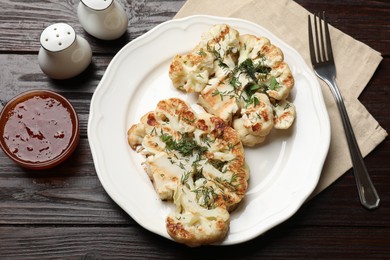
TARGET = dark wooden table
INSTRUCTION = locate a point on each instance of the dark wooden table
(65, 213)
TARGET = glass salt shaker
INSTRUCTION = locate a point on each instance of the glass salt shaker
(63, 54)
(103, 19)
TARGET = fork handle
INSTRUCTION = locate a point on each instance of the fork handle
(367, 193)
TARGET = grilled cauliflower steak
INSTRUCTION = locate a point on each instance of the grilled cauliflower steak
(198, 162)
(242, 79)
(192, 71)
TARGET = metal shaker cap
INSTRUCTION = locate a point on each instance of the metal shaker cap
(57, 37)
(97, 5)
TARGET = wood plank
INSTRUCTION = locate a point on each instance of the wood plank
(76, 183)
(21, 24)
(22, 73)
(136, 243)
(72, 194)
(65, 213)
(363, 20)
(377, 91)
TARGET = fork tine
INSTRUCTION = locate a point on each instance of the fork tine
(317, 45)
(311, 44)
(320, 24)
(327, 37)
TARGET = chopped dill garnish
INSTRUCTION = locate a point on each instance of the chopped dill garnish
(185, 177)
(206, 196)
(273, 84)
(153, 132)
(217, 56)
(185, 146)
(217, 164)
(222, 94)
(201, 52)
(251, 69)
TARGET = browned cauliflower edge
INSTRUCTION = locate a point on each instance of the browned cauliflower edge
(238, 77)
(198, 162)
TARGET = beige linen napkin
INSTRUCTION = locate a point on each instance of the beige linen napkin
(355, 62)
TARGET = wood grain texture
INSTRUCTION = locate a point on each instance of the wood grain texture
(133, 243)
(366, 21)
(64, 212)
(21, 24)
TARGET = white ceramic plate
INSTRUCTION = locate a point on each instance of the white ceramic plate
(284, 170)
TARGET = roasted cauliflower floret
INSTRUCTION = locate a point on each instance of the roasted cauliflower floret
(284, 114)
(216, 100)
(244, 66)
(269, 59)
(222, 41)
(256, 120)
(200, 217)
(191, 72)
(198, 162)
(135, 135)
(281, 82)
(259, 49)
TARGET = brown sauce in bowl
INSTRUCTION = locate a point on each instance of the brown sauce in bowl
(38, 129)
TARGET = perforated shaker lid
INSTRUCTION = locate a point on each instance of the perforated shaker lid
(57, 37)
(97, 5)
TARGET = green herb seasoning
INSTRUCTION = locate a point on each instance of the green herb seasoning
(273, 84)
(217, 164)
(258, 73)
(186, 146)
(206, 196)
(217, 56)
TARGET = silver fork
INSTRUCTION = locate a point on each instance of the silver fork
(321, 56)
